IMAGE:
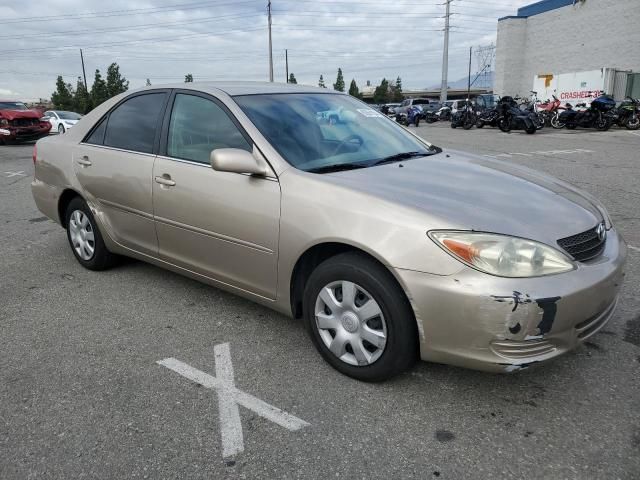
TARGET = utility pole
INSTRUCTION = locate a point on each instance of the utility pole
(84, 74)
(469, 81)
(270, 50)
(445, 54)
(286, 63)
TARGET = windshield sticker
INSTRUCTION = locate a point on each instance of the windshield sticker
(369, 112)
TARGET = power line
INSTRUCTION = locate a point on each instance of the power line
(118, 13)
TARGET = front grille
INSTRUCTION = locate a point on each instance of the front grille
(583, 246)
(24, 122)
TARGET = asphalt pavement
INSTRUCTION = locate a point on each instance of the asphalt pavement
(82, 394)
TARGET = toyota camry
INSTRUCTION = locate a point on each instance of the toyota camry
(387, 247)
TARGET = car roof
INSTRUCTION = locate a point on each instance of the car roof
(246, 88)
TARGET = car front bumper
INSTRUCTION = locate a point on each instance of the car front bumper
(11, 134)
(475, 320)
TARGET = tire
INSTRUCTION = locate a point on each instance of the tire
(603, 124)
(101, 258)
(504, 125)
(453, 125)
(468, 122)
(633, 122)
(417, 121)
(372, 281)
(531, 130)
(555, 121)
(479, 124)
(61, 129)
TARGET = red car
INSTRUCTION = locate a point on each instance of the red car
(19, 124)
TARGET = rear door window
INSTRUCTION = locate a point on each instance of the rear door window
(133, 124)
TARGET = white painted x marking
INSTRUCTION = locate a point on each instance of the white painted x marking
(229, 397)
(15, 174)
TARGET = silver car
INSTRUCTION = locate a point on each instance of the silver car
(387, 247)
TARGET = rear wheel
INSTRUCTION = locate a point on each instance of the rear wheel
(531, 130)
(359, 319)
(84, 237)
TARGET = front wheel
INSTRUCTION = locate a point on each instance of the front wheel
(61, 129)
(633, 122)
(84, 237)
(359, 319)
(555, 121)
(504, 124)
(603, 124)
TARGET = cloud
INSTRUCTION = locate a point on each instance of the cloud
(227, 40)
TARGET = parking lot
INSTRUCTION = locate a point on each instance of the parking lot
(82, 394)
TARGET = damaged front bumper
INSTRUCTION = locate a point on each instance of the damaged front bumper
(475, 320)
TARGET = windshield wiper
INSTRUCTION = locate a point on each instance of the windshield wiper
(338, 167)
(401, 156)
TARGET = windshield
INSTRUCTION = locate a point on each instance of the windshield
(318, 132)
(13, 106)
(68, 115)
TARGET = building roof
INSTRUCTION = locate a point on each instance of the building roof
(540, 7)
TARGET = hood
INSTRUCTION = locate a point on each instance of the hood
(13, 114)
(461, 191)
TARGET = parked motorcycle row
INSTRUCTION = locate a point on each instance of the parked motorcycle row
(530, 115)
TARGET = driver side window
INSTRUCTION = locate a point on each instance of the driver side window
(199, 126)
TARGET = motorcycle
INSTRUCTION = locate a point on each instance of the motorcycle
(465, 117)
(444, 113)
(531, 106)
(551, 110)
(628, 114)
(512, 118)
(489, 117)
(598, 115)
(412, 116)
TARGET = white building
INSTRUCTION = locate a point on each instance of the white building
(574, 49)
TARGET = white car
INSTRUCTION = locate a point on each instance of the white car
(61, 120)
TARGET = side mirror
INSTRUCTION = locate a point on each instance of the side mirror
(237, 160)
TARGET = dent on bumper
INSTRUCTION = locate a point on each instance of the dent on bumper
(479, 321)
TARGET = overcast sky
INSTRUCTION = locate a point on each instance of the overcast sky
(227, 40)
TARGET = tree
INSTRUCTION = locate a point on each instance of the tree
(339, 85)
(321, 82)
(116, 83)
(148, 84)
(99, 92)
(353, 89)
(62, 98)
(81, 99)
(381, 93)
(188, 78)
(292, 78)
(397, 90)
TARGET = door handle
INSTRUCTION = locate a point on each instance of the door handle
(165, 180)
(84, 161)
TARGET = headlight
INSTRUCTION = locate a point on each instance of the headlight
(502, 255)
